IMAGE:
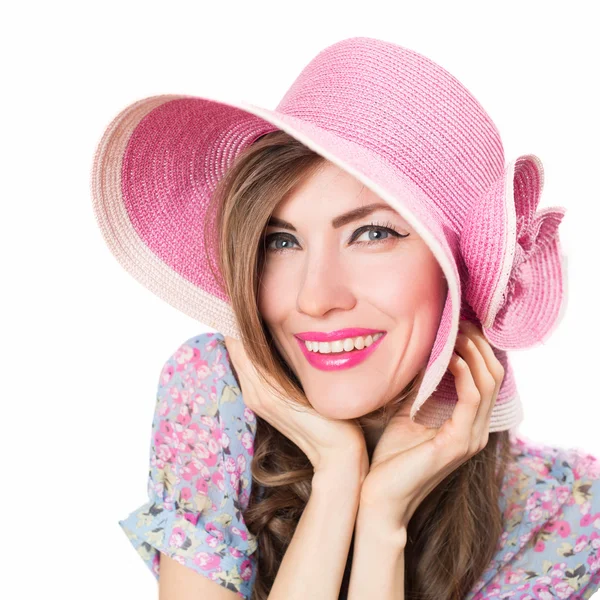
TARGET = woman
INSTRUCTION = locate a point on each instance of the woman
(361, 441)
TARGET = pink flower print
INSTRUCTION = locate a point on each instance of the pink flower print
(213, 445)
(177, 537)
(239, 532)
(202, 486)
(595, 540)
(203, 469)
(174, 394)
(191, 517)
(230, 465)
(203, 435)
(225, 441)
(203, 453)
(166, 428)
(164, 408)
(580, 543)
(541, 467)
(220, 370)
(563, 493)
(211, 344)
(234, 479)
(548, 495)
(249, 415)
(158, 488)
(563, 528)
(189, 435)
(215, 531)
(164, 453)
(492, 590)
(241, 461)
(213, 394)
(209, 421)
(189, 471)
(158, 439)
(183, 416)
(185, 494)
(184, 354)
(512, 577)
(185, 396)
(248, 442)
(585, 508)
(557, 572)
(584, 465)
(539, 546)
(540, 589)
(246, 570)
(202, 370)
(532, 501)
(166, 374)
(536, 514)
(562, 589)
(199, 400)
(217, 479)
(207, 561)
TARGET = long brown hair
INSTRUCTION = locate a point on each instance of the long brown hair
(453, 534)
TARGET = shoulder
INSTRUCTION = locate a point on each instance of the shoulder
(201, 366)
(203, 356)
(200, 477)
(551, 543)
(198, 390)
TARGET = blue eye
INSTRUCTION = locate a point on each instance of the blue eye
(275, 237)
(289, 239)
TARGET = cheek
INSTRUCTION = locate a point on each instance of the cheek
(412, 285)
(277, 294)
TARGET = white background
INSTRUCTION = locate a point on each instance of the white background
(83, 343)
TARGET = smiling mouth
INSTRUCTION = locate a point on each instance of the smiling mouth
(345, 359)
(342, 345)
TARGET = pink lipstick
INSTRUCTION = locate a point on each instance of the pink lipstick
(337, 360)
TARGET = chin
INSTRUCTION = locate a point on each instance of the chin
(344, 410)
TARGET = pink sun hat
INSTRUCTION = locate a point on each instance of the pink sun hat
(405, 128)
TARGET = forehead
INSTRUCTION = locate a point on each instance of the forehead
(328, 193)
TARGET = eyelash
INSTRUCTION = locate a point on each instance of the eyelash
(387, 226)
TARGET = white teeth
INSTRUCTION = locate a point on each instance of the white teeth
(345, 345)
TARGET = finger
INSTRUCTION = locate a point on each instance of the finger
(485, 382)
(459, 426)
(494, 365)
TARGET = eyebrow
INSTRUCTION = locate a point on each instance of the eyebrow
(344, 219)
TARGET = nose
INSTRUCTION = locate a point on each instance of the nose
(326, 286)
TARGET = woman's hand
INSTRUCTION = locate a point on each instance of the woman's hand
(410, 460)
(328, 443)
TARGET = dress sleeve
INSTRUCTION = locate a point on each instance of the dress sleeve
(199, 477)
(556, 557)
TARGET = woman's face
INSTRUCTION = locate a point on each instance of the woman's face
(325, 276)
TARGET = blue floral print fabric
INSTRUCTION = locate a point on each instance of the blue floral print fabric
(200, 480)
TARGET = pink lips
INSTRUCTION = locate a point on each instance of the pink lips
(337, 360)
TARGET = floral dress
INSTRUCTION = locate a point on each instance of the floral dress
(200, 480)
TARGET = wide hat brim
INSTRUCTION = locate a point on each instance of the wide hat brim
(159, 161)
